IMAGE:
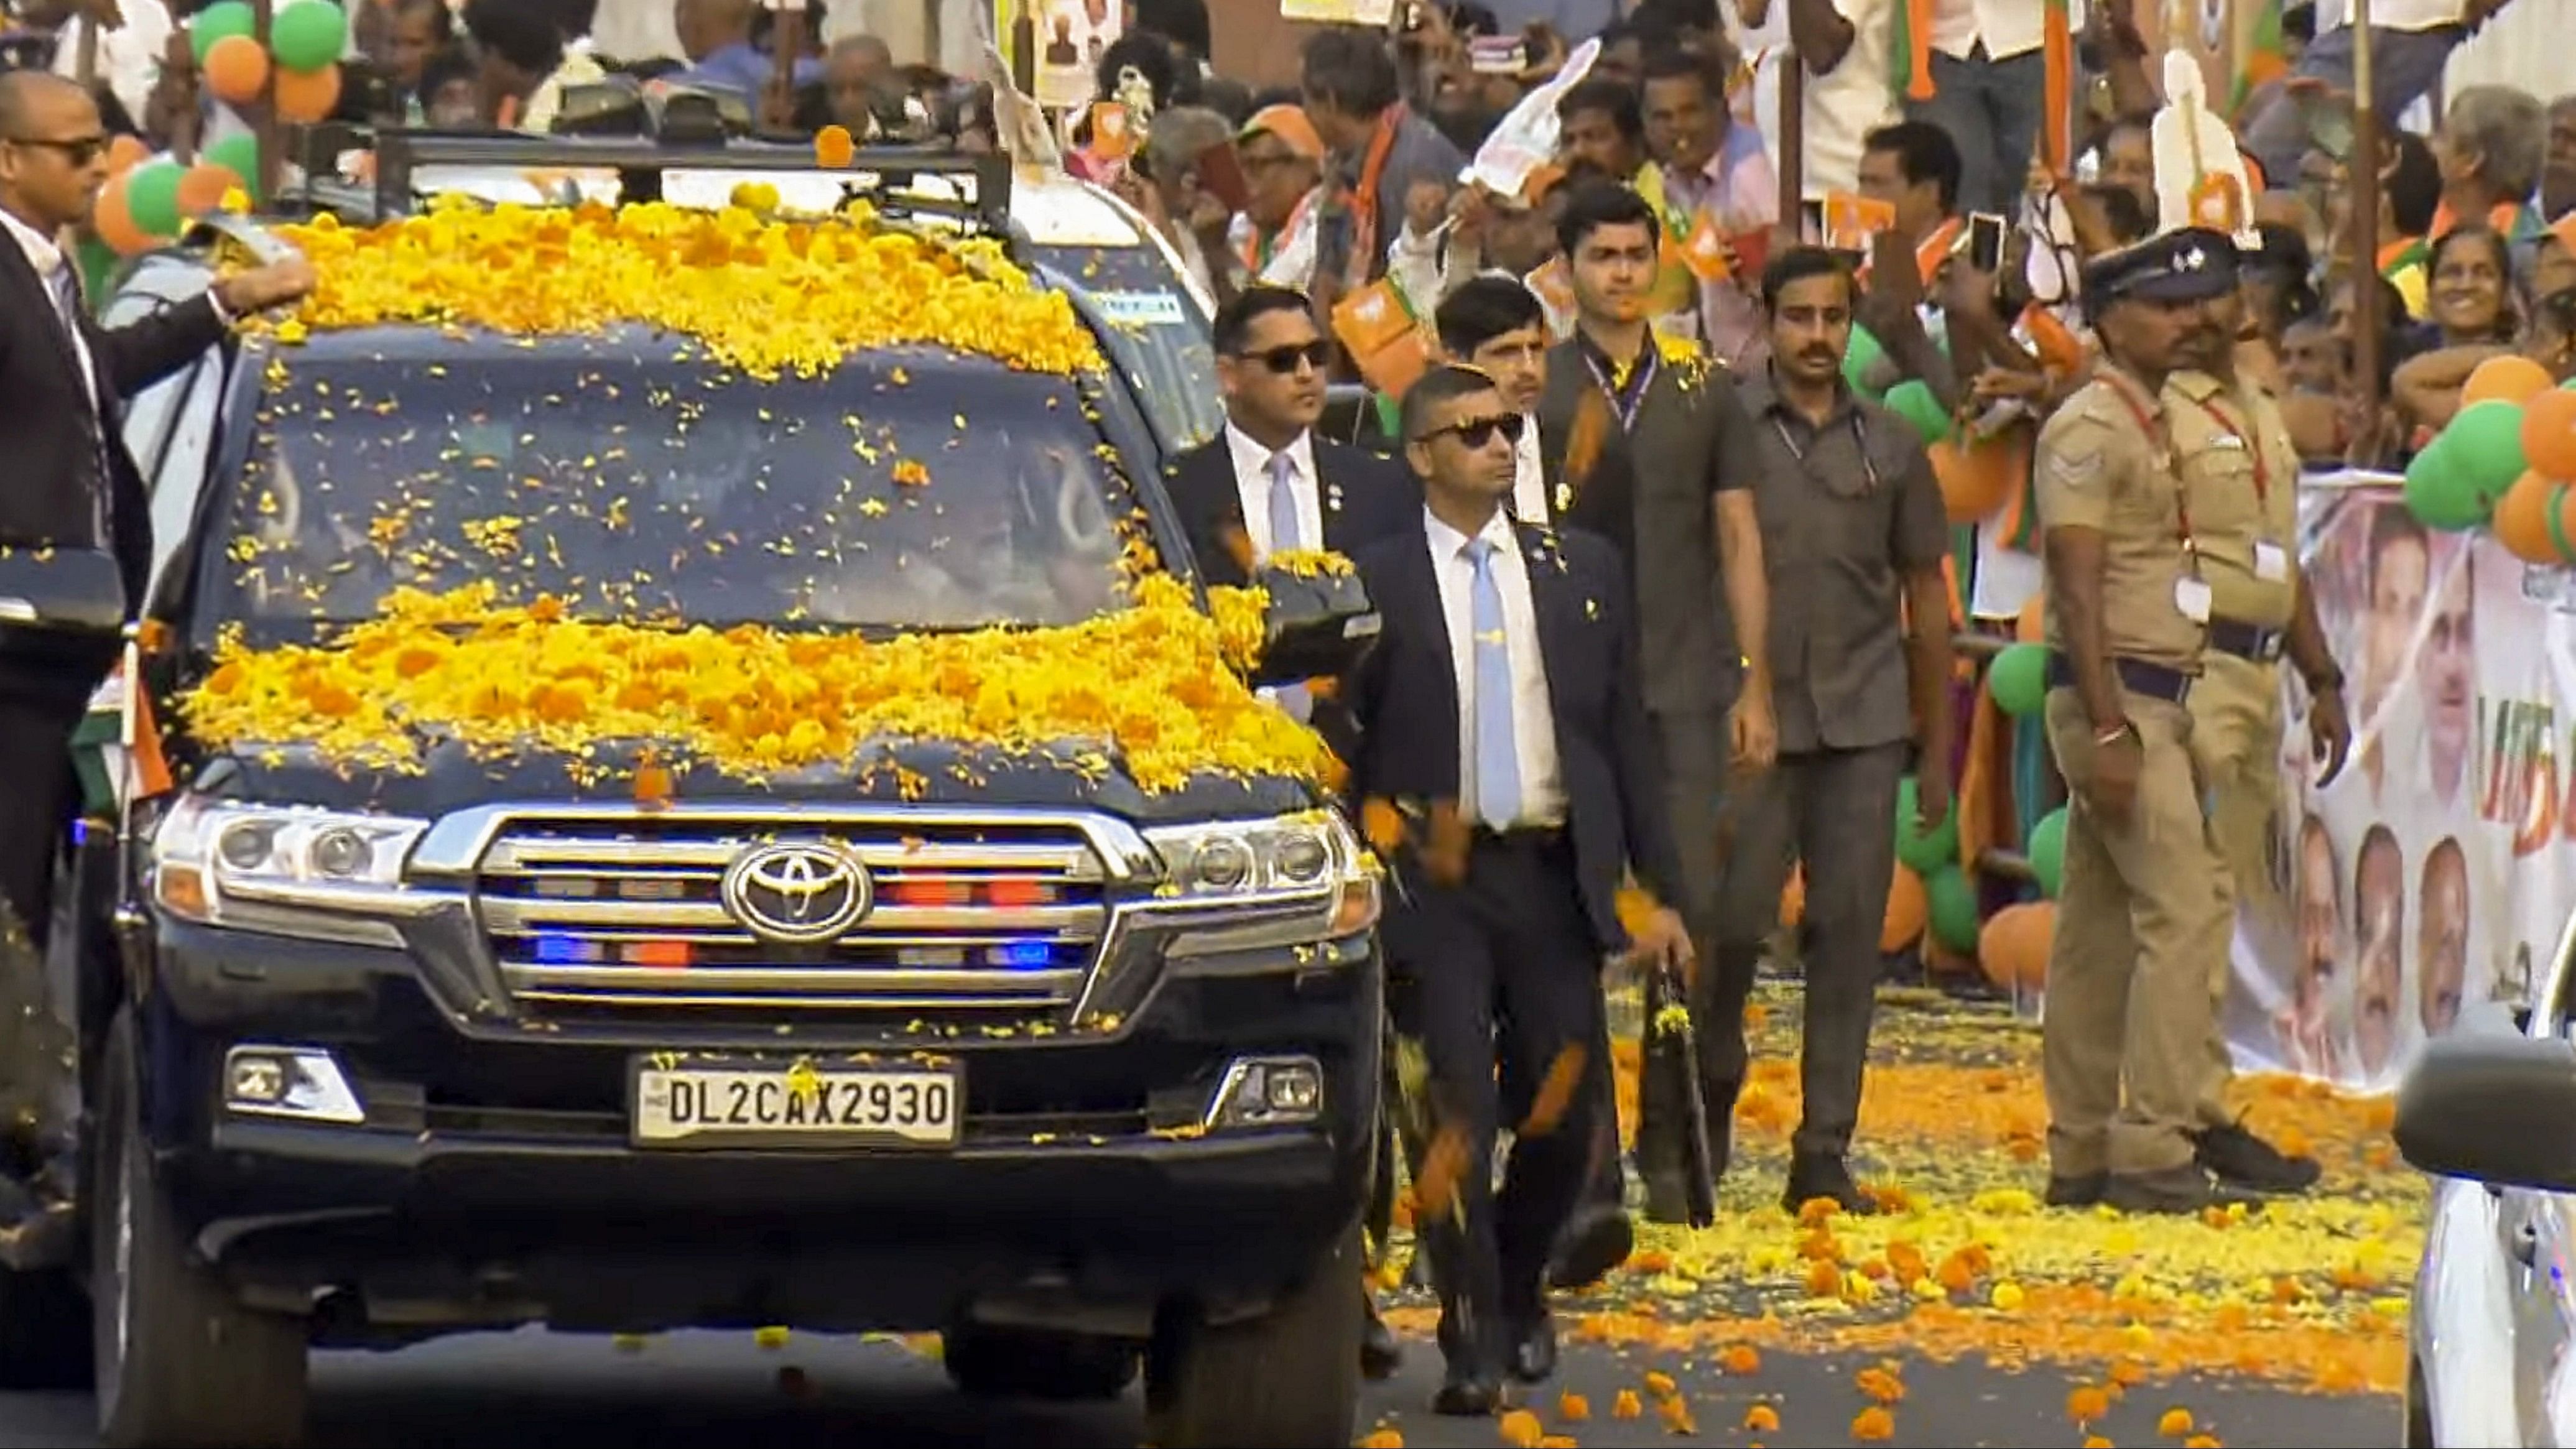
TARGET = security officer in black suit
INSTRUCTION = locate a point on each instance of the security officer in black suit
(1501, 716)
(70, 486)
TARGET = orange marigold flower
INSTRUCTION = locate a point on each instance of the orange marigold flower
(1627, 1405)
(1880, 1385)
(1873, 1424)
(1661, 1384)
(1572, 1407)
(2086, 1404)
(2175, 1424)
(1522, 1430)
(1761, 1419)
(1742, 1358)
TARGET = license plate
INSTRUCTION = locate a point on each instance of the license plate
(801, 1105)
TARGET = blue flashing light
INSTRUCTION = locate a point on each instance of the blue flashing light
(557, 949)
(1025, 955)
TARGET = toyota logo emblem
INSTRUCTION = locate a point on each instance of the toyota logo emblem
(797, 892)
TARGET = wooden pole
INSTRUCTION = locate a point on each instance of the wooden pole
(1793, 138)
(2362, 175)
(263, 119)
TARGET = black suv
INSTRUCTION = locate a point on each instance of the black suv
(1079, 1075)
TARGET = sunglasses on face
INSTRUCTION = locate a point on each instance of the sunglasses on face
(79, 150)
(1284, 360)
(1477, 432)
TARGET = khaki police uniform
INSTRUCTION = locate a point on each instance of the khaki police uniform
(2240, 472)
(2140, 913)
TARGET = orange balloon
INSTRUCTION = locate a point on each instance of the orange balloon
(2012, 947)
(2510, 378)
(1908, 911)
(202, 188)
(307, 96)
(2031, 625)
(236, 69)
(1975, 481)
(2549, 434)
(1793, 898)
(125, 153)
(2521, 521)
(114, 224)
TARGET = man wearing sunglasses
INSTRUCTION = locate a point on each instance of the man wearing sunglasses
(1501, 720)
(72, 486)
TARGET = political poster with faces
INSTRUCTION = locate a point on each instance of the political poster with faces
(2434, 874)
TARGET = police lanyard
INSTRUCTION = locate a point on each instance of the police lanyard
(1628, 400)
(1860, 444)
(2253, 445)
(2153, 426)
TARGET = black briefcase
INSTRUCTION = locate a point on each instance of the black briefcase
(61, 609)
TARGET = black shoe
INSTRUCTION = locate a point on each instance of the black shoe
(2239, 1159)
(2185, 1188)
(1599, 1239)
(1533, 1348)
(1380, 1354)
(1827, 1177)
(2082, 1189)
(1468, 1396)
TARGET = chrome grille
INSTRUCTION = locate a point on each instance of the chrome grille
(992, 919)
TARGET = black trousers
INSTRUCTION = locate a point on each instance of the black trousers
(1499, 971)
(38, 793)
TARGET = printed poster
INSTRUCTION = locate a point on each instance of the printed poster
(2435, 872)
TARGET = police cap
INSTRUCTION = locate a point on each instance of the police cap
(2190, 264)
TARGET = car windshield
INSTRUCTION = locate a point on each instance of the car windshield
(913, 488)
(1157, 334)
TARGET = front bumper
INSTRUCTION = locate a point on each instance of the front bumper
(493, 1179)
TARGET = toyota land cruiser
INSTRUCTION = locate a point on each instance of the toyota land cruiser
(648, 846)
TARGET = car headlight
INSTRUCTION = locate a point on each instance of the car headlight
(1310, 858)
(212, 859)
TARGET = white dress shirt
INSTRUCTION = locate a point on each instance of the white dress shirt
(1533, 716)
(1529, 477)
(1252, 485)
(1840, 107)
(2006, 27)
(48, 258)
(129, 57)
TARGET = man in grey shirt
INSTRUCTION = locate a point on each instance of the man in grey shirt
(1381, 152)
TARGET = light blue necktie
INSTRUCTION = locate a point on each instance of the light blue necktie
(1285, 535)
(1498, 766)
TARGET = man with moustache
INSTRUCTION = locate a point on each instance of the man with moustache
(2379, 915)
(2401, 563)
(2141, 913)
(1678, 504)
(1498, 326)
(2442, 939)
(2239, 473)
(2305, 1041)
(1854, 529)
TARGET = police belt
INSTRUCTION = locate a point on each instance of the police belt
(2137, 676)
(2248, 641)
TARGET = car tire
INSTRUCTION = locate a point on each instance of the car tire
(1026, 1363)
(1289, 1379)
(181, 1362)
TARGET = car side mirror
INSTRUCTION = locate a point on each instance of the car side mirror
(2496, 1109)
(1319, 625)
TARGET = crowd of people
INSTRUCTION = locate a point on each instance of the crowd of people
(1670, 596)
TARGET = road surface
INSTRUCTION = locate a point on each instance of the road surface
(708, 1388)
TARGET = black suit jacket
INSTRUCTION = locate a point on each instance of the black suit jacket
(1362, 496)
(1405, 698)
(56, 438)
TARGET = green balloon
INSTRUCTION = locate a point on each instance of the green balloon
(1924, 852)
(1953, 904)
(2485, 440)
(2018, 679)
(2440, 492)
(238, 155)
(1913, 401)
(2047, 847)
(152, 198)
(308, 35)
(1859, 356)
(223, 18)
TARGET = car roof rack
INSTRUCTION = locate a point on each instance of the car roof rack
(887, 176)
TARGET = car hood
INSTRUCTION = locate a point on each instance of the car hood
(446, 777)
